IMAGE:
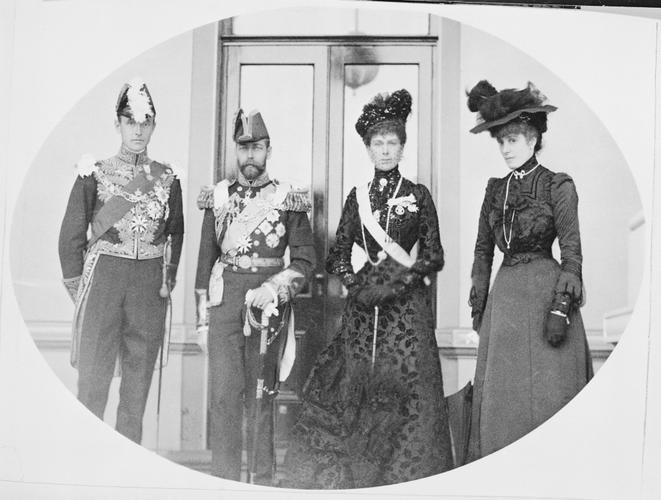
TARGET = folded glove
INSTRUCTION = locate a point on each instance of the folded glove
(201, 311)
(172, 276)
(555, 328)
(375, 295)
(571, 284)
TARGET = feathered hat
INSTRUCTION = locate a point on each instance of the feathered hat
(134, 101)
(384, 107)
(249, 127)
(495, 108)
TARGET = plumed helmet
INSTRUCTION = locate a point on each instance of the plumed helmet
(134, 101)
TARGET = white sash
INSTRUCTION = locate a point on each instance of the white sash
(390, 246)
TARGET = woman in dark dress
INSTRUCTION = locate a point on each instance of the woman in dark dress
(373, 411)
(533, 355)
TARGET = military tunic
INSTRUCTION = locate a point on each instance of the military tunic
(246, 230)
(130, 205)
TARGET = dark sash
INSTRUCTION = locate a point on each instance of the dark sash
(117, 206)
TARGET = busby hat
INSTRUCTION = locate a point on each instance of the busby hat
(250, 127)
(134, 101)
(496, 108)
(384, 107)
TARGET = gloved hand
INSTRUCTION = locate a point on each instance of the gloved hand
(477, 302)
(261, 297)
(477, 321)
(571, 284)
(201, 311)
(375, 295)
(555, 329)
(172, 276)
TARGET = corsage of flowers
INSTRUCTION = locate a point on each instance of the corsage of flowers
(403, 203)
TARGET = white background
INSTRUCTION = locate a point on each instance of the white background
(605, 444)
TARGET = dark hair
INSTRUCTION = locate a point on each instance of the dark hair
(386, 127)
(528, 124)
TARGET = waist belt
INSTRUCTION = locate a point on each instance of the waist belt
(246, 261)
(524, 257)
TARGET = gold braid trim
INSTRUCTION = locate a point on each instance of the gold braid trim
(297, 200)
(205, 198)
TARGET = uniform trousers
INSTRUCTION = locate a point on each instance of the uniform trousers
(233, 367)
(124, 315)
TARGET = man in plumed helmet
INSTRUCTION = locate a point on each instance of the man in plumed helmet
(249, 222)
(119, 247)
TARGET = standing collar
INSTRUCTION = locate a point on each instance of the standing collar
(261, 180)
(132, 158)
(528, 165)
(390, 176)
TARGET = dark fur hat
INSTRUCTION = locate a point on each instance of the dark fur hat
(384, 107)
(497, 108)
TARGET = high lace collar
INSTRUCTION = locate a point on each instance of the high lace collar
(128, 156)
(262, 180)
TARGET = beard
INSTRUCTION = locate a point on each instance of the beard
(251, 170)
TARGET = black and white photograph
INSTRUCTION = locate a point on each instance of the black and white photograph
(343, 248)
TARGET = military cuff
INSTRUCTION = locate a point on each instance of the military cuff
(72, 285)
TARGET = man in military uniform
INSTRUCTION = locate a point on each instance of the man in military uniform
(248, 224)
(118, 276)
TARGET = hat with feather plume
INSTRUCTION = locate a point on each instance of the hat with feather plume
(496, 108)
(384, 107)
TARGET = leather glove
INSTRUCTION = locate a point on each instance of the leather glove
(374, 295)
(172, 276)
(477, 302)
(571, 284)
(477, 321)
(555, 328)
(201, 311)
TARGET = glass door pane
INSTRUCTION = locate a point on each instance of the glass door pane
(386, 78)
(284, 96)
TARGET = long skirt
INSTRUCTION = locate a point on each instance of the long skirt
(364, 424)
(520, 379)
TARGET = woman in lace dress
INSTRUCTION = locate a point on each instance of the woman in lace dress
(373, 410)
(533, 355)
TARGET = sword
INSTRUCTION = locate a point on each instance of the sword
(164, 292)
(259, 394)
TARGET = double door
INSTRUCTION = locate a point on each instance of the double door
(310, 94)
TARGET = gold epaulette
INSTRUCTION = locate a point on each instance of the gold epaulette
(205, 198)
(297, 200)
